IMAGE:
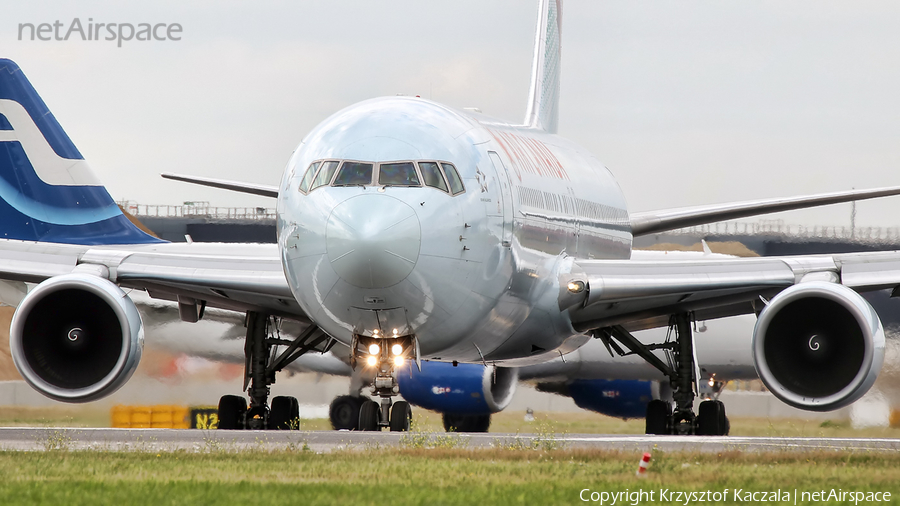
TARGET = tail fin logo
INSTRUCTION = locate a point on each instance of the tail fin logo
(30, 169)
(49, 166)
(48, 192)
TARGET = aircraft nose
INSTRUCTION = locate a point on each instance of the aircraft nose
(373, 241)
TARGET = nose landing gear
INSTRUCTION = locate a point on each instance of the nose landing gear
(386, 355)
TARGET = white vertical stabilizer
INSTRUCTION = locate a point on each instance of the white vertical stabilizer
(543, 98)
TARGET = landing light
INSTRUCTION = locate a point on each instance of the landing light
(372, 361)
(396, 332)
(398, 361)
(575, 286)
(374, 349)
(397, 349)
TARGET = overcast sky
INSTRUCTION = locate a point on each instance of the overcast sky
(686, 102)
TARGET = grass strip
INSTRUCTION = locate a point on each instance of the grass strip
(419, 476)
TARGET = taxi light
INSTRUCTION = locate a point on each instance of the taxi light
(374, 349)
(372, 360)
(396, 331)
(375, 332)
(575, 286)
(398, 361)
(397, 349)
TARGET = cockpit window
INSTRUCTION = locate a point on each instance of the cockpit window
(398, 174)
(456, 185)
(325, 174)
(403, 173)
(310, 174)
(354, 173)
(432, 175)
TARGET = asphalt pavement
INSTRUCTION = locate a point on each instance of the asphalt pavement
(195, 440)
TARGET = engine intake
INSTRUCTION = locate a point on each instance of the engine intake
(76, 338)
(818, 346)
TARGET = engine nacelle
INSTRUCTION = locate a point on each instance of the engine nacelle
(818, 346)
(76, 338)
(616, 398)
(467, 389)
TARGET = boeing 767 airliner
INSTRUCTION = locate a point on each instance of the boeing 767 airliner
(411, 231)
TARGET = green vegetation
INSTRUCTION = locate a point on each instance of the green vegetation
(415, 476)
(55, 416)
(430, 467)
(426, 436)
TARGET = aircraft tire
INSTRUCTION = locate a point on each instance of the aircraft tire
(466, 423)
(285, 413)
(657, 421)
(401, 416)
(344, 412)
(232, 409)
(711, 419)
(368, 415)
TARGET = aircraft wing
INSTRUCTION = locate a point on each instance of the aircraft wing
(653, 222)
(642, 223)
(240, 277)
(238, 186)
(641, 294)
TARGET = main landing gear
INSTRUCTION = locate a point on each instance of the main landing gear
(344, 411)
(385, 355)
(261, 363)
(361, 413)
(683, 374)
(344, 414)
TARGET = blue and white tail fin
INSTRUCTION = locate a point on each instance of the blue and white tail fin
(543, 99)
(48, 192)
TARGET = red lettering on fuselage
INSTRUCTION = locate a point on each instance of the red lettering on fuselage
(529, 155)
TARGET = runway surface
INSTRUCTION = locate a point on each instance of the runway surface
(45, 438)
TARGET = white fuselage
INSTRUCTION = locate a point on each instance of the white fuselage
(472, 276)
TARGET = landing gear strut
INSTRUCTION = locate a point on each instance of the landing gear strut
(261, 362)
(385, 355)
(685, 378)
(683, 374)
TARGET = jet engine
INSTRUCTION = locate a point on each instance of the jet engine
(818, 346)
(617, 398)
(76, 338)
(467, 389)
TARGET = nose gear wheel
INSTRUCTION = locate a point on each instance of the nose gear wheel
(396, 416)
